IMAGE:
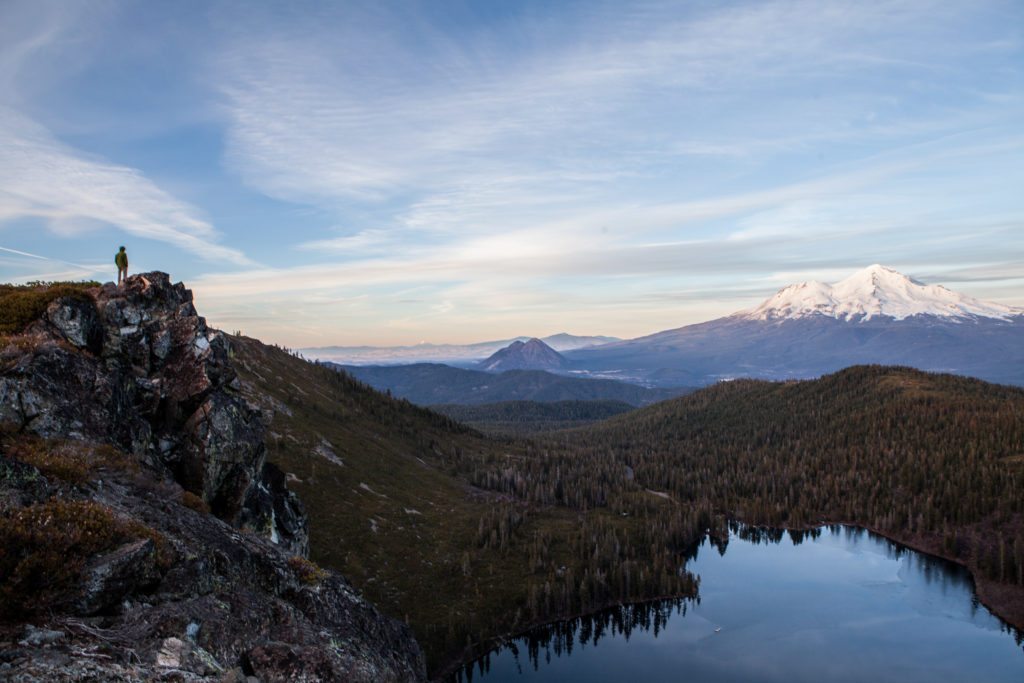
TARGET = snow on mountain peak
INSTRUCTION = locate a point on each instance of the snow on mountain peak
(875, 291)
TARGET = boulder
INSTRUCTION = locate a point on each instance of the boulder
(77, 321)
(116, 576)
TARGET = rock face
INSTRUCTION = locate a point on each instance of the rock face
(197, 595)
(142, 370)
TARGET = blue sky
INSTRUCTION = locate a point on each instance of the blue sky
(386, 173)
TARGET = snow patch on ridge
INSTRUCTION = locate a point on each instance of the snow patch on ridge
(875, 291)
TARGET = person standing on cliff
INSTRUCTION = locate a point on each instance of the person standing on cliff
(121, 261)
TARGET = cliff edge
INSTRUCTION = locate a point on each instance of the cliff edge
(143, 535)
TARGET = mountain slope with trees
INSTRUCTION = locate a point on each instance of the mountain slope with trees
(935, 461)
(523, 418)
(931, 460)
(390, 506)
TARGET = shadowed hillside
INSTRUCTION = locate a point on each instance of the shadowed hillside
(429, 384)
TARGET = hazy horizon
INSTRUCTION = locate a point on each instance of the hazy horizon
(452, 172)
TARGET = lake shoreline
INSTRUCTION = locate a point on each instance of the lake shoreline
(1005, 602)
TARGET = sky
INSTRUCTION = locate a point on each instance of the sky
(381, 173)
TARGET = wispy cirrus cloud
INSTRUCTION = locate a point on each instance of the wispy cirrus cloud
(40, 177)
(69, 190)
(467, 136)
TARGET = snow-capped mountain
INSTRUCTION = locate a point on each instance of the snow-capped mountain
(872, 292)
(877, 315)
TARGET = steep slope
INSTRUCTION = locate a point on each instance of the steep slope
(390, 505)
(129, 465)
(806, 330)
(110, 549)
(529, 355)
(431, 384)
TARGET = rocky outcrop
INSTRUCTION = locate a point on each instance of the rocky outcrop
(138, 367)
(204, 576)
(219, 605)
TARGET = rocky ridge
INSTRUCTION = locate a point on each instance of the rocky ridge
(121, 407)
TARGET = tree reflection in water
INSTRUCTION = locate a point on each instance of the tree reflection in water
(927, 573)
(561, 637)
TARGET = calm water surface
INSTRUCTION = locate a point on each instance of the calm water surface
(838, 604)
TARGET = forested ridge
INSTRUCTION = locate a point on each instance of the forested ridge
(522, 418)
(934, 460)
(428, 384)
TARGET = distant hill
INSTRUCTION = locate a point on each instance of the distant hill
(520, 418)
(430, 384)
(442, 353)
(876, 315)
(529, 355)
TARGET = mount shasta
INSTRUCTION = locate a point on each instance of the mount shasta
(877, 315)
(805, 330)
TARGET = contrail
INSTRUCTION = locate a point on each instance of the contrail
(24, 253)
(47, 258)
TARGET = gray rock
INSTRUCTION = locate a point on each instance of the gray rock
(35, 637)
(111, 578)
(77, 321)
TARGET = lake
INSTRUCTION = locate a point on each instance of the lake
(834, 604)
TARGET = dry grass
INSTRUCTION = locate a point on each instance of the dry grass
(73, 462)
(21, 305)
(306, 571)
(44, 547)
(194, 502)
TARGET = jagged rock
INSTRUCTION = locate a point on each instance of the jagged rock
(145, 372)
(111, 577)
(233, 604)
(224, 455)
(78, 322)
(273, 502)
